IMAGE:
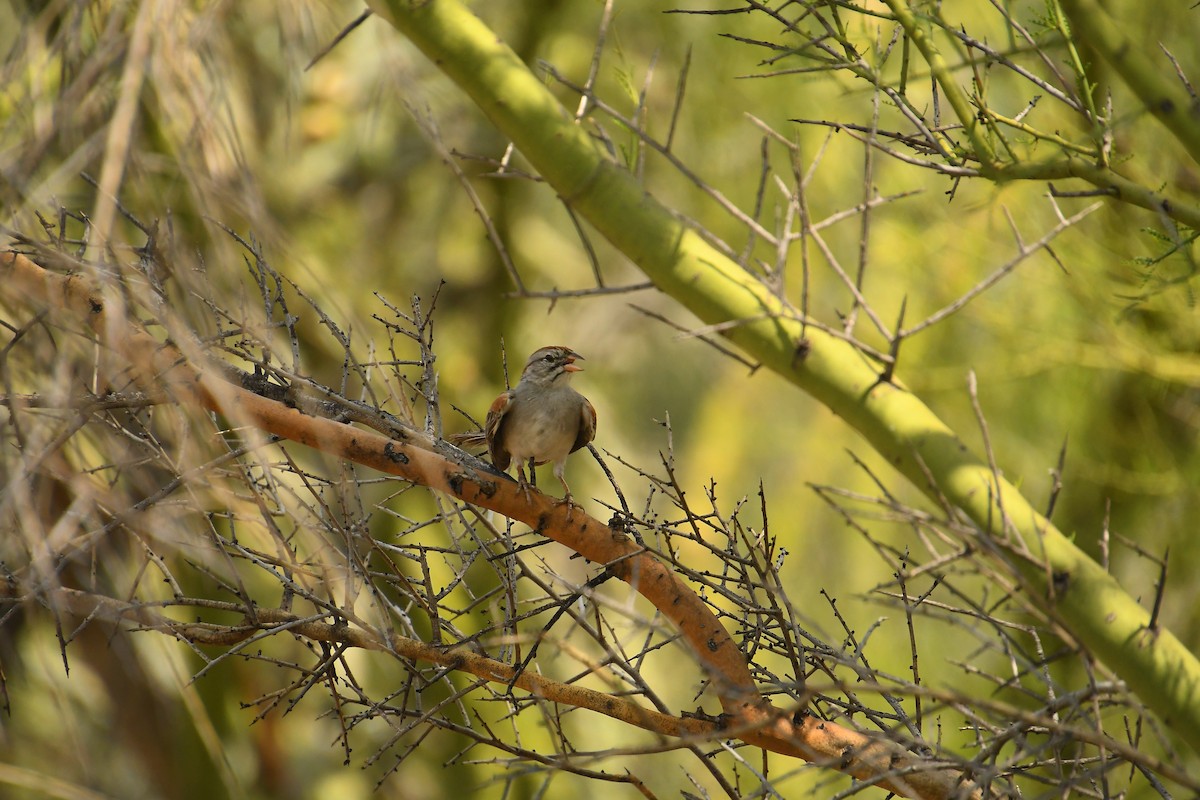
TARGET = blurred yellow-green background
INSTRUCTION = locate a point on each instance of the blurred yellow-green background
(339, 172)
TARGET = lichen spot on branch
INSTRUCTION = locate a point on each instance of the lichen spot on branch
(392, 454)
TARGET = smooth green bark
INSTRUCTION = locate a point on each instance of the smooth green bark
(1164, 674)
(1171, 105)
(1155, 83)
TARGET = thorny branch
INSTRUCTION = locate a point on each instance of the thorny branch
(182, 371)
(745, 633)
(160, 493)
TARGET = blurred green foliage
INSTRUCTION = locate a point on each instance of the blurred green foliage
(338, 171)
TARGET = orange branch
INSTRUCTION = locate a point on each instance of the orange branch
(749, 716)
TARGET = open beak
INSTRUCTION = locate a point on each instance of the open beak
(571, 366)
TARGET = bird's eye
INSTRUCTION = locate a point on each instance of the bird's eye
(548, 358)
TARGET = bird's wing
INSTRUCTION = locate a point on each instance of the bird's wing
(493, 428)
(587, 424)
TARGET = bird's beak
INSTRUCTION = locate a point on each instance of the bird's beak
(571, 366)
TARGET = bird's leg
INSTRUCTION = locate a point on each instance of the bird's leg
(558, 473)
(521, 481)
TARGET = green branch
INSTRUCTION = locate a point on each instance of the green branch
(1177, 110)
(1163, 94)
(1106, 180)
(898, 424)
(944, 75)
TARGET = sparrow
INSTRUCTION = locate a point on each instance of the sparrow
(541, 419)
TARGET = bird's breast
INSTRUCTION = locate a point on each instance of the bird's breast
(544, 432)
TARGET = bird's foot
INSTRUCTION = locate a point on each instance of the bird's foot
(569, 502)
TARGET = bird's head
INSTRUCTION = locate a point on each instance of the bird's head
(550, 364)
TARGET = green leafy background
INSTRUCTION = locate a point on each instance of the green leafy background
(334, 170)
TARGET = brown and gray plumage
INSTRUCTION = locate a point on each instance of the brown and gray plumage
(541, 419)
